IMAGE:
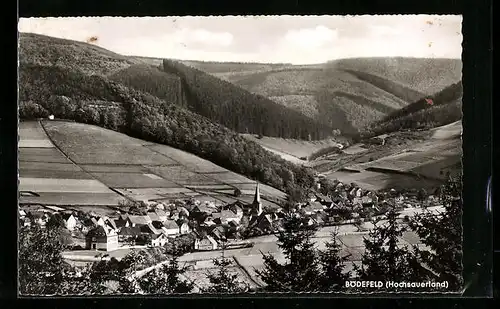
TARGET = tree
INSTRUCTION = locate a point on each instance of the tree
(223, 281)
(301, 270)
(167, 279)
(442, 234)
(40, 261)
(384, 259)
(237, 192)
(332, 276)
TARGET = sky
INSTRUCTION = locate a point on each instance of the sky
(269, 39)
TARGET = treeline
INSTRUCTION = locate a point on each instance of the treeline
(152, 80)
(66, 95)
(240, 110)
(305, 269)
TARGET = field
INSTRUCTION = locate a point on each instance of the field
(413, 164)
(111, 166)
(289, 147)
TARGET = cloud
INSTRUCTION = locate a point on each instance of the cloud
(203, 37)
(309, 38)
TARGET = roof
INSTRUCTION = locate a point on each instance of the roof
(150, 228)
(130, 231)
(170, 224)
(139, 220)
(323, 197)
(153, 216)
(161, 213)
(316, 205)
(112, 223)
(228, 214)
(100, 231)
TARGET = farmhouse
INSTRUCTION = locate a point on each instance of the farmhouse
(101, 238)
(207, 242)
(184, 228)
(69, 221)
(171, 228)
(128, 234)
(138, 220)
(158, 240)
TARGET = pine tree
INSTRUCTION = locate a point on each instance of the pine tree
(384, 258)
(166, 280)
(442, 234)
(332, 264)
(300, 272)
(223, 281)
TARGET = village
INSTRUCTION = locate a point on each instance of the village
(211, 226)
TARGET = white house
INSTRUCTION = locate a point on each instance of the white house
(170, 228)
(159, 240)
(184, 228)
(70, 221)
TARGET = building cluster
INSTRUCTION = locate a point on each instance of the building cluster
(212, 225)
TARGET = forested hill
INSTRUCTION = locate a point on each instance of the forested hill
(240, 110)
(71, 94)
(439, 109)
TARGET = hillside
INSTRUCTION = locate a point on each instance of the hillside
(240, 110)
(446, 108)
(90, 59)
(346, 94)
(70, 94)
(425, 75)
(152, 80)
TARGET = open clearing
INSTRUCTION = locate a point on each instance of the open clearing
(62, 185)
(292, 147)
(186, 159)
(420, 164)
(132, 180)
(73, 199)
(106, 159)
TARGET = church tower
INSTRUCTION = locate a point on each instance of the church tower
(257, 204)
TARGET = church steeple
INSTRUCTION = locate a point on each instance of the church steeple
(257, 204)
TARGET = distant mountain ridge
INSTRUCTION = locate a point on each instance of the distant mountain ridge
(347, 94)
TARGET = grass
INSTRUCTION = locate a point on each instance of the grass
(62, 185)
(86, 144)
(293, 147)
(132, 180)
(183, 176)
(73, 199)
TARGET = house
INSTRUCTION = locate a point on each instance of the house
(225, 216)
(209, 221)
(183, 212)
(137, 221)
(367, 201)
(218, 232)
(311, 197)
(203, 208)
(69, 221)
(184, 228)
(237, 209)
(102, 238)
(153, 216)
(162, 215)
(128, 234)
(171, 228)
(359, 192)
(22, 213)
(312, 207)
(318, 219)
(158, 240)
(121, 221)
(323, 199)
(207, 242)
(150, 229)
(40, 218)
